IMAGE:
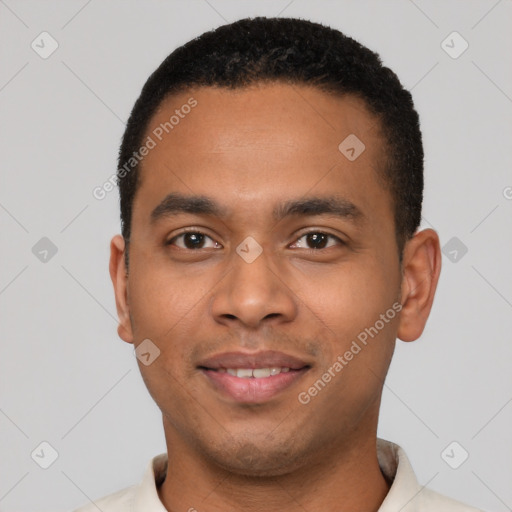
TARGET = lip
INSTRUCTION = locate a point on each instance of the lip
(252, 390)
(263, 359)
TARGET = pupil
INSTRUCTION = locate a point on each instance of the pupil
(317, 240)
(193, 240)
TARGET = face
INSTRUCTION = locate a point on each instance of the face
(264, 268)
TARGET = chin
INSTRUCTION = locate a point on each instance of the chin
(264, 459)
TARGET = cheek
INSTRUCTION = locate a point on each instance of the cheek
(165, 307)
(350, 298)
(357, 344)
(165, 298)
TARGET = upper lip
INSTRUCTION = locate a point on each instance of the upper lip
(265, 359)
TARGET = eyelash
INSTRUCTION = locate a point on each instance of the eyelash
(193, 231)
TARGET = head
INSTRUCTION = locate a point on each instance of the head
(289, 51)
(275, 207)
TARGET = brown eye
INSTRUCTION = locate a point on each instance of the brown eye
(317, 240)
(193, 240)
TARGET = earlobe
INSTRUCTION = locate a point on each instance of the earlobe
(118, 274)
(421, 268)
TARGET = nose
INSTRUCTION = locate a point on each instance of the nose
(252, 294)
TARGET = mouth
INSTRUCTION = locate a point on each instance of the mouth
(252, 378)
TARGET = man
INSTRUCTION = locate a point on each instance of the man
(271, 181)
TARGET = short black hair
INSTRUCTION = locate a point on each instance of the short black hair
(292, 51)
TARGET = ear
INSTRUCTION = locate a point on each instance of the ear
(119, 277)
(421, 266)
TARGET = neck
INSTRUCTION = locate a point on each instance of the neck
(344, 479)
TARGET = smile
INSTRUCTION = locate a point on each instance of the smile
(255, 377)
(256, 373)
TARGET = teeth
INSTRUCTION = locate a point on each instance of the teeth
(256, 373)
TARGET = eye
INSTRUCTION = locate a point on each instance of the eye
(193, 240)
(317, 240)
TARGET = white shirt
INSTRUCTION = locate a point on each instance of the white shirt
(405, 494)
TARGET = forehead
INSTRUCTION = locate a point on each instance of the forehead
(274, 114)
(255, 145)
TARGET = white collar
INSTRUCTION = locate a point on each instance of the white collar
(405, 494)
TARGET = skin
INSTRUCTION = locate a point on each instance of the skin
(249, 150)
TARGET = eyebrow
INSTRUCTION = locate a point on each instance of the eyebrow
(176, 203)
(330, 205)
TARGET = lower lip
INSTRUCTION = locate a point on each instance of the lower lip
(251, 390)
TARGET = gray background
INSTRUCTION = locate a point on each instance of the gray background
(65, 376)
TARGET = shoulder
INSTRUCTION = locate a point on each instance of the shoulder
(138, 497)
(431, 501)
(406, 494)
(117, 502)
